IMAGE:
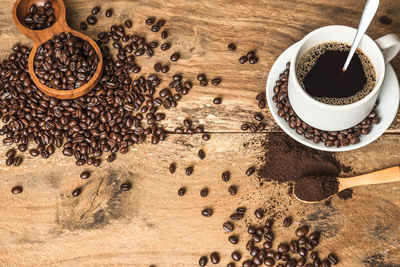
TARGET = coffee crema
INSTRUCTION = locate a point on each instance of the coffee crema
(319, 72)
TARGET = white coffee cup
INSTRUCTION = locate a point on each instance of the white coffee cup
(339, 117)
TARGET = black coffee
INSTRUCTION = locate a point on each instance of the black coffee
(319, 72)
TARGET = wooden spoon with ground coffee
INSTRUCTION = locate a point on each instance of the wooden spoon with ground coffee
(312, 189)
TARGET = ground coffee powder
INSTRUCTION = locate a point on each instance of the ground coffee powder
(287, 161)
(316, 188)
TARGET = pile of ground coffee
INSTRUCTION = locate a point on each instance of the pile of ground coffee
(287, 161)
(316, 188)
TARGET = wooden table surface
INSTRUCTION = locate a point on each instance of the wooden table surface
(150, 224)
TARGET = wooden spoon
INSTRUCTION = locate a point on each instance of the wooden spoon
(378, 177)
(20, 10)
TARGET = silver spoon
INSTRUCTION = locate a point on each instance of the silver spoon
(368, 14)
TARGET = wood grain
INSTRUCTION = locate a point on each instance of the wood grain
(201, 31)
(150, 224)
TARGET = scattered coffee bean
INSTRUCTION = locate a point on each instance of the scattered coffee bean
(175, 57)
(217, 101)
(11, 153)
(17, 189)
(258, 116)
(216, 81)
(181, 191)
(203, 261)
(91, 20)
(302, 230)
(95, 10)
(232, 190)
(205, 137)
(231, 47)
(150, 21)
(166, 46)
(83, 26)
(17, 161)
(269, 261)
(243, 59)
(207, 212)
(111, 157)
(85, 175)
(253, 60)
(128, 23)
(233, 239)
(259, 213)
(201, 154)
(228, 227)
(226, 176)
(214, 257)
(204, 192)
(333, 259)
(77, 191)
(109, 13)
(172, 168)
(236, 256)
(189, 170)
(126, 186)
(164, 34)
(287, 221)
(250, 171)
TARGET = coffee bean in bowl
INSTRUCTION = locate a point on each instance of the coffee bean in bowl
(40, 16)
(65, 62)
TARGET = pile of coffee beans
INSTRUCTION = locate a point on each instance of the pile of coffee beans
(12, 159)
(189, 128)
(65, 62)
(250, 57)
(118, 113)
(262, 250)
(40, 17)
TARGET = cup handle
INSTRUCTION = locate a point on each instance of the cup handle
(390, 46)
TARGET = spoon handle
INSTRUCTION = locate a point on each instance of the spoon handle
(378, 177)
(368, 14)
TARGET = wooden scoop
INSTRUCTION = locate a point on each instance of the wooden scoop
(378, 177)
(20, 10)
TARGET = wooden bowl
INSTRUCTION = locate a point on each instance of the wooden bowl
(20, 10)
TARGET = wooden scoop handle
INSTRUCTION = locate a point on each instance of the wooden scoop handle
(378, 177)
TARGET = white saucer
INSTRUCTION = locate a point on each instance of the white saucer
(387, 108)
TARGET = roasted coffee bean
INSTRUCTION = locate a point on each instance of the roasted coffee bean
(278, 256)
(217, 101)
(17, 189)
(231, 47)
(128, 23)
(172, 168)
(258, 117)
(285, 257)
(150, 21)
(205, 137)
(34, 152)
(226, 176)
(166, 46)
(269, 237)
(243, 59)
(248, 263)
(164, 69)
(187, 123)
(214, 257)
(256, 238)
(269, 261)
(325, 263)
(303, 230)
(126, 186)
(259, 213)
(236, 216)
(11, 153)
(207, 212)
(231, 264)
(287, 221)
(313, 255)
(181, 191)
(85, 175)
(233, 239)
(91, 20)
(333, 259)
(267, 245)
(203, 261)
(309, 246)
(385, 20)
(95, 10)
(250, 171)
(253, 60)
(189, 170)
(301, 262)
(83, 26)
(236, 256)
(109, 13)
(77, 191)
(228, 227)
(216, 81)
(315, 236)
(175, 57)
(303, 240)
(17, 161)
(303, 252)
(204, 192)
(269, 223)
(294, 246)
(40, 17)
(232, 190)
(164, 34)
(111, 157)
